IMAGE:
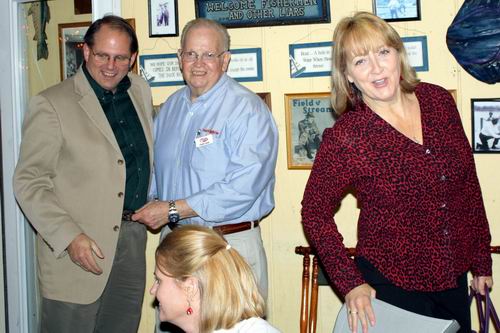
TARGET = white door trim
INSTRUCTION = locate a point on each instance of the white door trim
(19, 264)
(12, 103)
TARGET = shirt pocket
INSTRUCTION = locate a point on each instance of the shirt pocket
(210, 158)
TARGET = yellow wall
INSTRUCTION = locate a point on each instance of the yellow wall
(45, 72)
(282, 230)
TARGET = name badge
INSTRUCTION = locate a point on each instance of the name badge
(204, 140)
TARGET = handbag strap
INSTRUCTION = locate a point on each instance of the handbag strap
(485, 311)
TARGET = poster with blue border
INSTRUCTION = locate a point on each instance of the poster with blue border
(315, 59)
(416, 49)
(163, 69)
(258, 13)
(310, 59)
(246, 65)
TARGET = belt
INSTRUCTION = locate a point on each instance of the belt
(227, 229)
(127, 215)
(236, 227)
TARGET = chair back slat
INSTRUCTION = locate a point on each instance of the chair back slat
(309, 296)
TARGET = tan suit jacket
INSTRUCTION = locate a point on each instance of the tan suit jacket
(70, 179)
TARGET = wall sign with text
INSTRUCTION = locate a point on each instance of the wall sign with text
(416, 49)
(310, 59)
(315, 59)
(253, 13)
(161, 70)
(164, 70)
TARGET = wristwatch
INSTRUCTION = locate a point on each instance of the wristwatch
(173, 213)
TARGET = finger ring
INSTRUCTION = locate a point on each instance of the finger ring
(353, 311)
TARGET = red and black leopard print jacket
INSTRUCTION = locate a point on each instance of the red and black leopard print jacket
(422, 221)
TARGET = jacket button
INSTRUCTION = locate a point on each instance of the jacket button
(120, 162)
(120, 194)
(116, 228)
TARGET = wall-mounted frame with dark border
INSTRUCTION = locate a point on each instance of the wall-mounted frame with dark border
(315, 59)
(307, 115)
(416, 49)
(71, 46)
(246, 65)
(397, 10)
(485, 125)
(310, 59)
(258, 13)
(163, 69)
(163, 18)
(82, 7)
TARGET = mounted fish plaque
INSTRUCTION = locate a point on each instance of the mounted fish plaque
(258, 13)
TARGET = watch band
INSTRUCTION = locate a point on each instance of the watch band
(173, 213)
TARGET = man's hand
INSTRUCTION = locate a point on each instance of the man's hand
(480, 283)
(154, 214)
(81, 251)
(359, 305)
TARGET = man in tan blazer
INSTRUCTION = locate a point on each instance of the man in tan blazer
(84, 165)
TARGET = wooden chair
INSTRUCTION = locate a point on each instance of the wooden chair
(312, 278)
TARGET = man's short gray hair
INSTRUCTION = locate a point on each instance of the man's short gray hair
(202, 22)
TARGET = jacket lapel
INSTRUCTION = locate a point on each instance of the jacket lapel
(90, 104)
(139, 103)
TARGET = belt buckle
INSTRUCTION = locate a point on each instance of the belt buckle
(127, 215)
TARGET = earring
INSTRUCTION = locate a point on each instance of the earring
(189, 310)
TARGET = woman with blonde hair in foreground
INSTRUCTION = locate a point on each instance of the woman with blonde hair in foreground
(203, 285)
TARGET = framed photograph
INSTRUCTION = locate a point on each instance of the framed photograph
(307, 116)
(260, 13)
(397, 10)
(163, 18)
(485, 125)
(71, 47)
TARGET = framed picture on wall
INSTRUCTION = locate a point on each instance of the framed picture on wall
(397, 10)
(83, 7)
(71, 46)
(307, 116)
(485, 125)
(163, 18)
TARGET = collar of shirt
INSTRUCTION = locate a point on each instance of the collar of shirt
(212, 92)
(103, 94)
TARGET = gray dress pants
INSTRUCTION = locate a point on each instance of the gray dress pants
(119, 307)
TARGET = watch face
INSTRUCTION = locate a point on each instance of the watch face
(173, 218)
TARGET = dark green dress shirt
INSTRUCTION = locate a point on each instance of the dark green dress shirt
(123, 119)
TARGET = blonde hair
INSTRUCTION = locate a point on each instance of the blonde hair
(228, 291)
(357, 35)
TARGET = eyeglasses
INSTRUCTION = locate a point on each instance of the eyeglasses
(104, 58)
(192, 56)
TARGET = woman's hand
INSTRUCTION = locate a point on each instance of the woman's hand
(478, 283)
(359, 306)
